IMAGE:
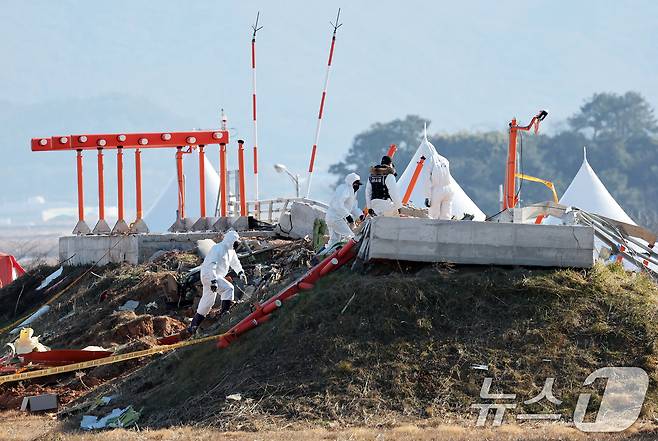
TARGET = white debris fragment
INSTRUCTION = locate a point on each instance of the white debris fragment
(27, 342)
(152, 305)
(41, 311)
(50, 278)
(130, 305)
(234, 397)
(480, 367)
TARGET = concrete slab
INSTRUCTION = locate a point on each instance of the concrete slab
(481, 243)
(133, 249)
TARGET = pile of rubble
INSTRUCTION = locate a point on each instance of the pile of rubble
(119, 309)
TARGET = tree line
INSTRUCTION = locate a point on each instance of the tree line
(620, 132)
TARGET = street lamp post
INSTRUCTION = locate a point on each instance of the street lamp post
(280, 168)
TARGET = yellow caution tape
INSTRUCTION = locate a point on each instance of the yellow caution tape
(105, 360)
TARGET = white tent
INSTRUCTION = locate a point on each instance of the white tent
(588, 193)
(162, 214)
(461, 203)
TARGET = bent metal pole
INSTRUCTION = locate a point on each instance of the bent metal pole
(391, 150)
(322, 101)
(414, 179)
(253, 104)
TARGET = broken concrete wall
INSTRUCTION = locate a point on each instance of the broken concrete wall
(483, 243)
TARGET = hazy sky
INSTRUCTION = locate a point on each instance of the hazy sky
(76, 66)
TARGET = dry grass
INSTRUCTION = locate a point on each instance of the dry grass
(17, 426)
(403, 349)
(378, 351)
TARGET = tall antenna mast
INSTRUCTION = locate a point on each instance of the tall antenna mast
(335, 25)
(253, 102)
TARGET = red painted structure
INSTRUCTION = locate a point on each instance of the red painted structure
(10, 269)
(264, 311)
(322, 100)
(510, 198)
(241, 178)
(136, 141)
(61, 357)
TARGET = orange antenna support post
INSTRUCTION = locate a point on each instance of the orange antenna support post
(511, 198)
(243, 191)
(391, 150)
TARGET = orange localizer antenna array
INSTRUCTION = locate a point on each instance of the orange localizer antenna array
(119, 142)
(510, 198)
(324, 95)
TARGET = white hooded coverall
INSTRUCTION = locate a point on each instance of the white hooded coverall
(385, 207)
(215, 266)
(343, 204)
(439, 188)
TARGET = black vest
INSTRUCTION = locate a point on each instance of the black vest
(378, 185)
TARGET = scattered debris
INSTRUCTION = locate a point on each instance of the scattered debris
(152, 305)
(48, 280)
(118, 418)
(480, 367)
(347, 304)
(39, 402)
(130, 305)
(41, 311)
(204, 246)
(26, 343)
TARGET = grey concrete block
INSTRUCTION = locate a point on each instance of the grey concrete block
(485, 243)
(39, 402)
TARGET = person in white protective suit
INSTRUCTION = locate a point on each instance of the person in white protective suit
(439, 191)
(382, 195)
(343, 210)
(215, 267)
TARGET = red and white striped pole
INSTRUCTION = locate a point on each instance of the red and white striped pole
(253, 104)
(324, 95)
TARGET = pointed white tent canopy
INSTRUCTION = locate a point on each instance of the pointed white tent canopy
(588, 193)
(162, 214)
(461, 203)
